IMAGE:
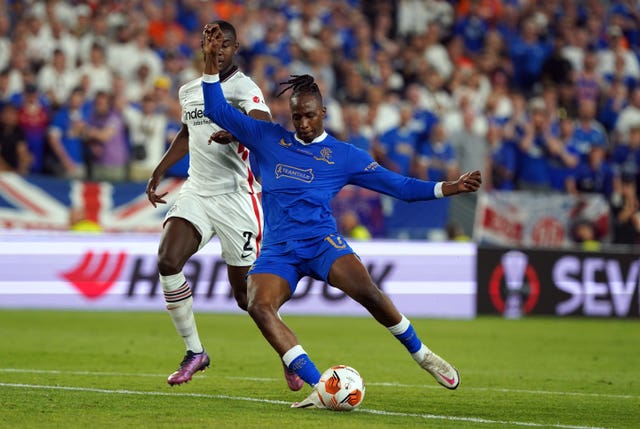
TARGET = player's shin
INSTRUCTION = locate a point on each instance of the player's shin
(177, 295)
(405, 333)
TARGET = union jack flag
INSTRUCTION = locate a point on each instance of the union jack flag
(40, 202)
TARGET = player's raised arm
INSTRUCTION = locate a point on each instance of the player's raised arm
(243, 127)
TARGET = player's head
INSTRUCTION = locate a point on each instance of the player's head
(230, 45)
(307, 109)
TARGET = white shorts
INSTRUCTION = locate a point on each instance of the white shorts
(236, 218)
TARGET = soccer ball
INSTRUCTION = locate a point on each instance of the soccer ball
(341, 388)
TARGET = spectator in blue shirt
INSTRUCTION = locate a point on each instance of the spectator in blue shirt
(597, 175)
(437, 158)
(626, 155)
(589, 132)
(503, 159)
(533, 137)
(528, 55)
(397, 147)
(563, 154)
(65, 137)
(615, 99)
(472, 28)
(353, 131)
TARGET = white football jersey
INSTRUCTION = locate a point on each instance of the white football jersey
(214, 168)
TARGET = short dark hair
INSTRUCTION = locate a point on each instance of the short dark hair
(226, 27)
(301, 84)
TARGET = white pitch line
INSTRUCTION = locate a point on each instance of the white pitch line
(382, 384)
(272, 401)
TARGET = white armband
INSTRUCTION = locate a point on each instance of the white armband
(210, 78)
(437, 190)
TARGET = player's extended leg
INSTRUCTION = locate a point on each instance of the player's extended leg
(179, 241)
(349, 275)
(266, 293)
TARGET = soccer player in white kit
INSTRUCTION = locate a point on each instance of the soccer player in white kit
(220, 197)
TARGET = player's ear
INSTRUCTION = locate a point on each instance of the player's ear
(324, 112)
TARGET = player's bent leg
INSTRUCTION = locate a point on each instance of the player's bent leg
(349, 275)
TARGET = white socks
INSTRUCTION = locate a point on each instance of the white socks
(177, 295)
(401, 327)
(420, 354)
(292, 354)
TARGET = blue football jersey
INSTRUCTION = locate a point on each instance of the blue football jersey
(300, 179)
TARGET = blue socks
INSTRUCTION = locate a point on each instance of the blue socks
(298, 361)
(405, 333)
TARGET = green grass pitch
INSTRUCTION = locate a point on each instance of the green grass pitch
(108, 369)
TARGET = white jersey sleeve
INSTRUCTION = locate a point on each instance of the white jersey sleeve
(214, 168)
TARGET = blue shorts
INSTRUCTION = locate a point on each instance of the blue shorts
(299, 258)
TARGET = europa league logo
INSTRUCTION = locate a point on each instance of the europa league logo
(521, 285)
(514, 263)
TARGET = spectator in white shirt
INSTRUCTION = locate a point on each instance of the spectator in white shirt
(97, 72)
(56, 79)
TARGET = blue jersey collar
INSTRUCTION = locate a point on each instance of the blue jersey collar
(316, 140)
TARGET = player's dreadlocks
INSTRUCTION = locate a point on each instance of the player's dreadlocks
(301, 84)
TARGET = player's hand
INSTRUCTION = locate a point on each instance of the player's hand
(222, 137)
(212, 40)
(469, 182)
(154, 198)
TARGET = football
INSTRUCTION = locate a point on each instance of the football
(341, 388)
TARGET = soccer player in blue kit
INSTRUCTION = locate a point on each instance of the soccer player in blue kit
(301, 172)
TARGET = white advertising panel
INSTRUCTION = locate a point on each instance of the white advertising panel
(119, 272)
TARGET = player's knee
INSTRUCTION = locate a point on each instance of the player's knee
(369, 297)
(168, 265)
(241, 300)
(259, 311)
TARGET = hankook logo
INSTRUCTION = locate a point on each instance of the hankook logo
(96, 274)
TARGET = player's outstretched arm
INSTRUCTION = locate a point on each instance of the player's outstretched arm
(365, 172)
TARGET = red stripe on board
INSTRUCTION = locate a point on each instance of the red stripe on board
(16, 195)
(142, 204)
(90, 196)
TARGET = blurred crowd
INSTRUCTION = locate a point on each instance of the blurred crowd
(540, 95)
